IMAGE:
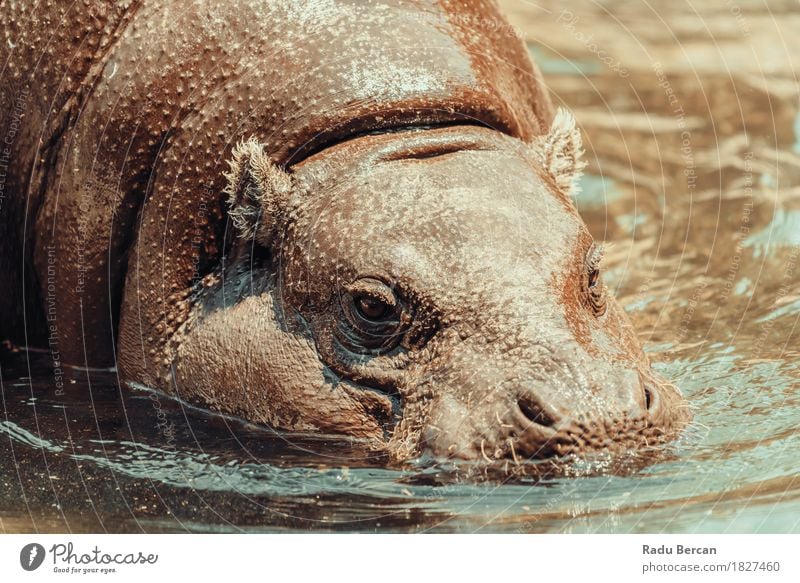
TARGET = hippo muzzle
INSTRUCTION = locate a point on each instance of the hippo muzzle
(551, 399)
(432, 290)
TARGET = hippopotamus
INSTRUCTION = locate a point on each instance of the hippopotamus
(336, 217)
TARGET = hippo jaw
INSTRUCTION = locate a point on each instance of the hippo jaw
(430, 291)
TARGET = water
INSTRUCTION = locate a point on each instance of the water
(693, 136)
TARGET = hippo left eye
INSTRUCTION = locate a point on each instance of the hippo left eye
(595, 288)
(594, 277)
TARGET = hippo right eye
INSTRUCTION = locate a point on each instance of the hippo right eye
(373, 309)
(374, 317)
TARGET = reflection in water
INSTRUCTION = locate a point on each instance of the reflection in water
(693, 136)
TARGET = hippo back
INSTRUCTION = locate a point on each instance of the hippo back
(50, 59)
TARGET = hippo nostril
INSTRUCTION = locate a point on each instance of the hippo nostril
(534, 412)
(652, 397)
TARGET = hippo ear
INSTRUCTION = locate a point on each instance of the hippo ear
(258, 192)
(560, 151)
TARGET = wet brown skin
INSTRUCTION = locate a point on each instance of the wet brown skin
(493, 340)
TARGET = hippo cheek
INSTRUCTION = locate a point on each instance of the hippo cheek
(241, 361)
(451, 429)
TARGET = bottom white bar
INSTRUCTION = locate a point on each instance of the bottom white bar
(400, 558)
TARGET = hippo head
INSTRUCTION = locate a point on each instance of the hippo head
(430, 290)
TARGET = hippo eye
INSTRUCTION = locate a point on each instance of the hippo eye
(594, 277)
(374, 318)
(372, 309)
(596, 295)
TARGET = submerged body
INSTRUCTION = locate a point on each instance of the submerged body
(403, 263)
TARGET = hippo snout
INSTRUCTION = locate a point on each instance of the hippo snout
(564, 405)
